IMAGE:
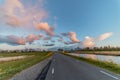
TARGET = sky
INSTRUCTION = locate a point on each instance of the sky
(59, 23)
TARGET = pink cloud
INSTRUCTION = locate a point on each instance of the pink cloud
(11, 5)
(105, 36)
(45, 27)
(32, 37)
(72, 36)
(88, 42)
(91, 42)
(14, 13)
(12, 40)
(16, 40)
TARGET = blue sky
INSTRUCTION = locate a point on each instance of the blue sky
(86, 18)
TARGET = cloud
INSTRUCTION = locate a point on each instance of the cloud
(105, 36)
(14, 13)
(47, 38)
(48, 44)
(68, 43)
(14, 21)
(9, 12)
(60, 39)
(88, 42)
(71, 36)
(91, 42)
(12, 40)
(32, 37)
(65, 34)
(16, 40)
(53, 41)
(11, 5)
(45, 27)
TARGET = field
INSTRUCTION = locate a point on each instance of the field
(10, 68)
(107, 65)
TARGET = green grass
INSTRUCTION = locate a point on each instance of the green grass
(16, 54)
(10, 68)
(107, 65)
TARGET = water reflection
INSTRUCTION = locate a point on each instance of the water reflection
(114, 59)
(92, 56)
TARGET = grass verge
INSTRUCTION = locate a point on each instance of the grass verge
(17, 54)
(10, 68)
(107, 65)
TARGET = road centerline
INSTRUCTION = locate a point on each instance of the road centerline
(53, 70)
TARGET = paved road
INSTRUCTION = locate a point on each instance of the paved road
(67, 68)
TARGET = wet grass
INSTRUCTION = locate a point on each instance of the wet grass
(10, 68)
(103, 64)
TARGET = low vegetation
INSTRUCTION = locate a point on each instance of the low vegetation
(107, 65)
(9, 68)
(11, 54)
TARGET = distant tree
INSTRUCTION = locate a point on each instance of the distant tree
(60, 49)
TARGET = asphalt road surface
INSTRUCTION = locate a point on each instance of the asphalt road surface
(66, 68)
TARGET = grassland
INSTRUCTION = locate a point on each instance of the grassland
(16, 54)
(9, 68)
(107, 65)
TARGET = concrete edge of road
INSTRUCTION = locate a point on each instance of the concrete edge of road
(31, 73)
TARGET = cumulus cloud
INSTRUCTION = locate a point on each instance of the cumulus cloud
(12, 40)
(11, 5)
(88, 42)
(91, 42)
(45, 27)
(72, 36)
(32, 37)
(16, 40)
(14, 13)
(105, 36)
(9, 12)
